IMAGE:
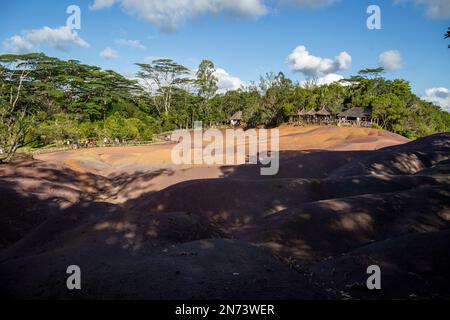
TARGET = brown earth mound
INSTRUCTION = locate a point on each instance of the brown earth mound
(139, 227)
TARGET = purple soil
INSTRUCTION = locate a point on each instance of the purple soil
(307, 233)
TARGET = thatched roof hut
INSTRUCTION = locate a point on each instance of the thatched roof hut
(311, 112)
(323, 112)
(237, 116)
(357, 112)
(302, 113)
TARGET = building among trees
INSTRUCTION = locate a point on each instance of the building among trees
(324, 116)
(236, 119)
(358, 116)
(46, 102)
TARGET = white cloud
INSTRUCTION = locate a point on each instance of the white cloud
(130, 43)
(109, 53)
(439, 96)
(308, 3)
(329, 78)
(390, 60)
(311, 66)
(150, 59)
(102, 4)
(168, 15)
(435, 9)
(227, 82)
(17, 44)
(60, 38)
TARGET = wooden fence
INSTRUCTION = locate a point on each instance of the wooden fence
(112, 145)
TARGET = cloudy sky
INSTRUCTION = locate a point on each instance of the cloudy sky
(322, 39)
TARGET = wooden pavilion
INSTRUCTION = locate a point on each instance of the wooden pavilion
(324, 116)
(357, 116)
(236, 119)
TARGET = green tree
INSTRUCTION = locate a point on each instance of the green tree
(19, 101)
(44, 101)
(162, 76)
(332, 96)
(391, 110)
(207, 80)
(207, 88)
(372, 72)
(277, 91)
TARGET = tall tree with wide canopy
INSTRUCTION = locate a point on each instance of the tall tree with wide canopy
(19, 95)
(35, 89)
(162, 76)
(372, 72)
(46, 101)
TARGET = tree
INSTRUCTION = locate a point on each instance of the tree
(391, 110)
(46, 101)
(42, 99)
(332, 96)
(166, 75)
(278, 91)
(93, 92)
(60, 128)
(447, 36)
(371, 72)
(207, 88)
(17, 110)
(207, 80)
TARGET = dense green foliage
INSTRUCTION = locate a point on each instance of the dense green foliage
(46, 101)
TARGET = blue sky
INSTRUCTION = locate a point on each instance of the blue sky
(245, 38)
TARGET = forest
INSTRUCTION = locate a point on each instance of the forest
(45, 101)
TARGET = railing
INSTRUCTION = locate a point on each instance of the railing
(340, 123)
(354, 123)
(314, 121)
(73, 147)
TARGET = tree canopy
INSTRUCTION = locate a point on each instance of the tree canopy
(45, 101)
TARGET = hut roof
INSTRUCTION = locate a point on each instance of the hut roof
(237, 116)
(323, 112)
(311, 112)
(357, 112)
(302, 112)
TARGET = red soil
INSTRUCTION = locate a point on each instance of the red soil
(139, 227)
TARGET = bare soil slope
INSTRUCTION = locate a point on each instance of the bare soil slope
(139, 227)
